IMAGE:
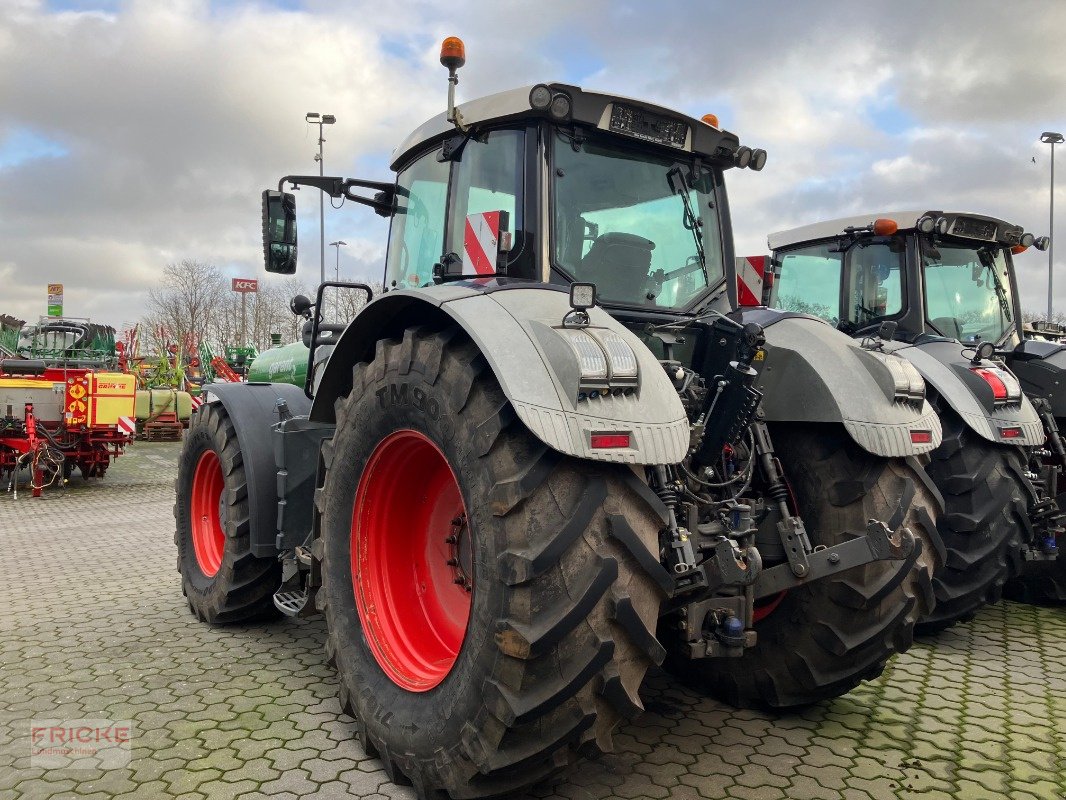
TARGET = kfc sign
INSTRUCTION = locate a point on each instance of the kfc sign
(245, 285)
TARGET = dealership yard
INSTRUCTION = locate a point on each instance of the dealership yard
(94, 626)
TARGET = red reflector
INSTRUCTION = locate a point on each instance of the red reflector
(601, 441)
(1010, 433)
(999, 388)
(921, 437)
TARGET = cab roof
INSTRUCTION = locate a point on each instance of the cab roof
(907, 220)
(589, 108)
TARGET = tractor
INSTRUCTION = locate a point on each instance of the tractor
(938, 289)
(546, 458)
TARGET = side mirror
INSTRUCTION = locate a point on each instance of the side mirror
(279, 232)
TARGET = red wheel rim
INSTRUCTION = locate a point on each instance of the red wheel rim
(208, 538)
(766, 606)
(411, 562)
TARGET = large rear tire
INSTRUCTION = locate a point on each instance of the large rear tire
(821, 640)
(545, 651)
(1044, 581)
(220, 577)
(985, 521)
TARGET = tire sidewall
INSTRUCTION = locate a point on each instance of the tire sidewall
(203, 591)
(392, 402)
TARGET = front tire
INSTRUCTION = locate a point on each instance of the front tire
(220, 577)
(821, 640)
(546, 651)
(985, 521)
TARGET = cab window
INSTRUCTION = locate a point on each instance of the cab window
(488, 178)
(808, 282)
(416, 241)
(875, 283)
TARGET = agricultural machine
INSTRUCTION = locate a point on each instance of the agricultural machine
(939, 290)
(63, 405)
(546, 458)
(166, 383)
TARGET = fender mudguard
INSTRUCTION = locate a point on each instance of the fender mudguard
(944, 368)
(252, 407)
(538, 372)
(814, 373)
(1041, 368)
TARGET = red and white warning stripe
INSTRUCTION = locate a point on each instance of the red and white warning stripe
(127, 425)
(481, 243)
(197, 401)
(753, 278)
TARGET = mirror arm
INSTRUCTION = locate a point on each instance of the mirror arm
(382, 202)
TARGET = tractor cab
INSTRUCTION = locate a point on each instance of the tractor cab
(551, 184)
(935, 275)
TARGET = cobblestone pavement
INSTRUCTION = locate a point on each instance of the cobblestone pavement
(94, 626)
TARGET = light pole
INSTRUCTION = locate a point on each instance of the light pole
(337, 271)
(315, 118)
(1051, 138)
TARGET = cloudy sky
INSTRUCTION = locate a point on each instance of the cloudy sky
(137, 133)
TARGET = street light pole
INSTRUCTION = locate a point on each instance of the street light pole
(1051, 138)
(337, 272)
(320, 120)
(337, 269)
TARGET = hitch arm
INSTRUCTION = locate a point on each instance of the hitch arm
(381, 202)
(879, 544)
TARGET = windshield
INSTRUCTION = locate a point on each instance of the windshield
(631, 222)
(967, 291)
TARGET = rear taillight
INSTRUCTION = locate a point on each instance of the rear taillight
(1010, 433)
(999, 388)
(921, 437)
(1005, 387)
(603, 441)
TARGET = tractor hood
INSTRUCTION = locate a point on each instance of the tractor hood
(814, 373)
(1010, 420)
(1041, 368)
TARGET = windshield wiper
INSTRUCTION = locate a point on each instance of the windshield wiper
(989, 263)
(692, 223)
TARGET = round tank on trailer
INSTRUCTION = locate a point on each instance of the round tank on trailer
(285, 364)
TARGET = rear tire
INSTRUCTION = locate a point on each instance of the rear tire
(821, 640)
(1044, 581)
(985, 521)
(560, 617)
(220, 577)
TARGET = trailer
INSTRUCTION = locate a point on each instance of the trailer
(63, 404)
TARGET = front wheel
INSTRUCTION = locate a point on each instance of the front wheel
(821, 640)
(484, 618)
(220, 577)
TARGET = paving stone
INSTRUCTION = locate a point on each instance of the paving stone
(250, 711)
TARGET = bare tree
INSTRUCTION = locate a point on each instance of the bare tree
(186, 301)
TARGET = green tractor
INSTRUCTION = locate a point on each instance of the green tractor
(545, 458)
(938, 289)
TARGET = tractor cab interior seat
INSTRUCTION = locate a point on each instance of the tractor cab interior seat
(948, 326)
(619, 263)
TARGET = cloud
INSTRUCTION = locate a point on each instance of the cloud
(145, 131)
